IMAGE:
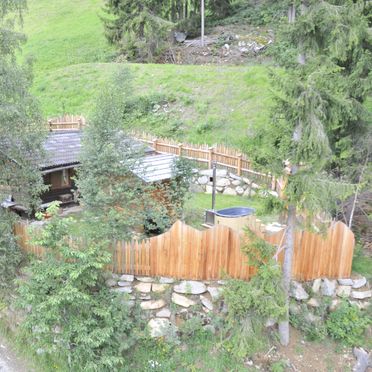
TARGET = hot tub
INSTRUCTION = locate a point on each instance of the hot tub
(235, 217)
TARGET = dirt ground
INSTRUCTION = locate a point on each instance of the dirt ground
(307, 356)
(224, 45)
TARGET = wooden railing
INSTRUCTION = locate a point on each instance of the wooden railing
(66, 122)
(224, 156)
(186, 253)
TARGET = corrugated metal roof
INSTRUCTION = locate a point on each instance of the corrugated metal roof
(154, 168)
(62, 148)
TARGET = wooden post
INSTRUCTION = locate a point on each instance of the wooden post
(239, 167)
(210, 157)
(155, 144)
(180, 145)
(202, 22)
(80, 124)
(50, 125)
(273, 183)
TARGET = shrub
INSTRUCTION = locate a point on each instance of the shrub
(347, 324)
(72, 313)
(10, 253)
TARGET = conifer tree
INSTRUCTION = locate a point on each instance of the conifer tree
(20, 129)
(314, 96)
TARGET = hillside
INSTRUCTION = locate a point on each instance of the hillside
(198, 103)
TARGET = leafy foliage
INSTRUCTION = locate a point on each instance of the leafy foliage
(10, 253)
(21, 134)
(347, 324)
(71, 312)
(250, 305)
(111, 192)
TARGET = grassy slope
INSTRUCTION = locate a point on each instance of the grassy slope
(66, 39)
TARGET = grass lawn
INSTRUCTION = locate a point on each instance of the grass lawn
(196, 205)
(73, 61)
(362, 264)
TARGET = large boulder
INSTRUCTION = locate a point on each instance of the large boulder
(359, 283)
(152, 304)
(182, 300)
(297, 291)
(160, 327)
(190, 287)
(328, 287)
(361, 295)
(143, 287)
(229, 191)
(223, 182)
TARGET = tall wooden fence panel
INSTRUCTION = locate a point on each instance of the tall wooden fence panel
(187, 253)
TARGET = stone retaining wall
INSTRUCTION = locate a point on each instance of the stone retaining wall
(227, 183)
(167, 303)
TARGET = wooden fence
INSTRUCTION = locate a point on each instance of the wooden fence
(66, 122)
(225, 157)
(205, 155)
(187, 253)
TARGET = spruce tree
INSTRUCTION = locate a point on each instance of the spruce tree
(314, 101)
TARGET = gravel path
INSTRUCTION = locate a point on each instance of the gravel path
(9, 361)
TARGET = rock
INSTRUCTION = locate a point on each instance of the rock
(361, 295)
(316, 285)
(206, 302)
(152, 305)
(145, 279)
(239, 190)
(270, 322)
(143, 287)
(127, 278)
(223, 182)
(220, 189)
(208, 189)
(334, 304)
(165, 280)
(345, 281)
(313, 302)
(209, 172)
(203, 180)
(123, 290)
(180, 36)
(182, 300)
(236, 182)
(255, 186)
(298, 292)
(235, 177)
(210, 328)
(124, 284)
(144, 296)
(190, 287)
(159, 287)
(160, 327)
(273, 193)
(229, 191)
(359, 283)
(221, 282)
(163, 313)
(328, 287)
(111, 283)
(294, 309)
(249, 192)
(343, 291)
(311, 318)
(215, 293)
(196, 188)
(364, 360)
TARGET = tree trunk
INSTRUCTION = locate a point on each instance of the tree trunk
(287, 271)
(202, 22)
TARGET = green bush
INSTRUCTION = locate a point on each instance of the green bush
(347, 324)
(70, 311)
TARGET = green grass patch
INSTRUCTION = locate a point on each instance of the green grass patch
(72, 62)
(363, 265)
(199, 202)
